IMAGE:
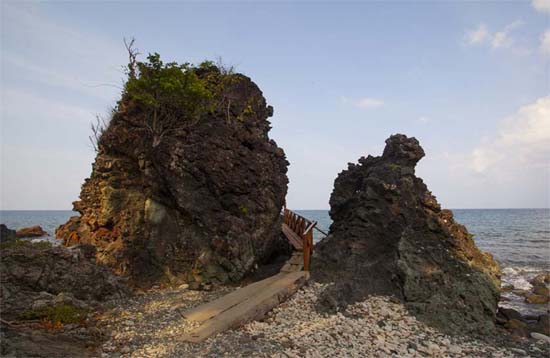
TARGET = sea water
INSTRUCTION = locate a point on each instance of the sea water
(49, 220)
(519, 239)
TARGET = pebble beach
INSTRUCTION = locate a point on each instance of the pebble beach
(151, 325)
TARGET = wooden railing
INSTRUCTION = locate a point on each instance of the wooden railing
(299, 232)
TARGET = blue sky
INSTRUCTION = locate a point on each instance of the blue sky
(470, 80)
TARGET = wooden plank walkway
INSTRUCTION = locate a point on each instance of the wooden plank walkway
(292, 237)
(295, 263)
(248, 303)
(255, 300)
(208, 310)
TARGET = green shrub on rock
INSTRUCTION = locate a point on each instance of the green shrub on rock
(170, 96)
(63, 313)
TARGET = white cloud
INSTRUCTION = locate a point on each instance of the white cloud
(424, 119)
(542, 5)
(364, 103)
(501, 39)
(545, 43)
(367, 103)
(481, 36)
(477, 36)
(507, 169)
(522, 142)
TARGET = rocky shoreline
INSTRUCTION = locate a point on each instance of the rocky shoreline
(523, 325)
(151, 325)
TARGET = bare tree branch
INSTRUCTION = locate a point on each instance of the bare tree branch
(132, 55)
(98, 128)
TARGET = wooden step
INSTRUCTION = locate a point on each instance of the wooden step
(295, 263)
(263, 300)
(293, 238)
(213, 308)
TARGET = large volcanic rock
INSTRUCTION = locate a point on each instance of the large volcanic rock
(200, 203)
(389, 236)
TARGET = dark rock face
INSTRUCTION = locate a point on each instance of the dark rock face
(200, 205)
(26, 342)
(6, 234)
(389, 236)
(30, 274)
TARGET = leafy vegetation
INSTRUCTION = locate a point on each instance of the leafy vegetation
(171, 97)
(56, 314)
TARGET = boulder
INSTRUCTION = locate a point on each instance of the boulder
(538, 328)
(530, 317)
(509, 313)
(521, 293)
(542, 291)
(536, 299)
(389, 236)
(31, 231)
(7, 234)
(517, 328)
(197, 200)
(35, 276)
(541, 279)
(544, 324)
(540, 337)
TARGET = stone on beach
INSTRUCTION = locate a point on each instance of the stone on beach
(540, 337)
(541, 279)
(509, 313)
(537, 299)
(293, 329)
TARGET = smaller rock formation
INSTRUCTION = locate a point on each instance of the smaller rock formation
(390, 236)
(32, 231)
